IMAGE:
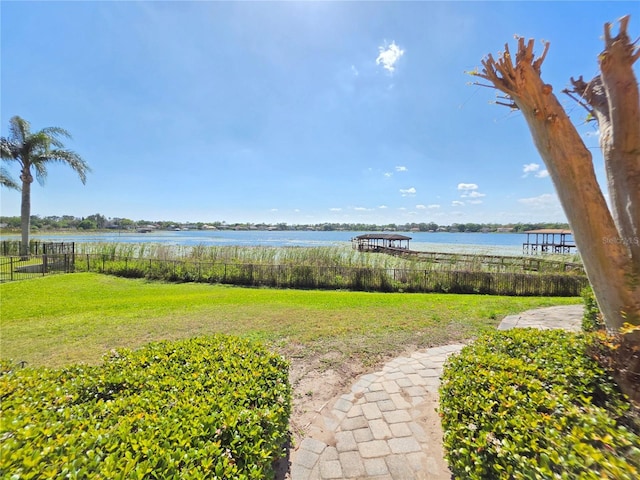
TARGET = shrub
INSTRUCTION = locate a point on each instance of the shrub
(592, 319)
(213, 407)
(527, 404)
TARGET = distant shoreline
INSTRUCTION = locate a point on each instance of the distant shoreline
(491, 243)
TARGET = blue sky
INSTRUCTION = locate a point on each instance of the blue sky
(296, 112)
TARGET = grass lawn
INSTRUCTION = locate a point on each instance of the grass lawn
(62, 319)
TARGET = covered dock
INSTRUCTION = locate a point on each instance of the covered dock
(549, 240)
(377, 242)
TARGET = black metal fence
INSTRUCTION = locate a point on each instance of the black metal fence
(338, 277)
(21, 268)
(62, 259)
(36, 247)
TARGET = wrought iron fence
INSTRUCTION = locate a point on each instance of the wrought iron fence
(338, 277)
(299, 276)
(20, 268)
(36, 247)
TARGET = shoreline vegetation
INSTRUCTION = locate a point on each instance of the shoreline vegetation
(324, 256)
(100, 223)
(338, 267)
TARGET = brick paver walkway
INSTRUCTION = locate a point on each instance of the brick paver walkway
(387, 427)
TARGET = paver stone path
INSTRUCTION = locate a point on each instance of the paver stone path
(387, 426)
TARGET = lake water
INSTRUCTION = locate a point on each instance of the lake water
(477, 243)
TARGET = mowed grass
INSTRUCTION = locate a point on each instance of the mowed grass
(61, 319)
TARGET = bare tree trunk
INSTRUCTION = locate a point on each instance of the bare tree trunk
(609, 242)
(623, 159)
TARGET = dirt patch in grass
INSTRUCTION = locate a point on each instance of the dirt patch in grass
(315, 385)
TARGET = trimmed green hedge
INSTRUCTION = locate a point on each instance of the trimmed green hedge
(531, 404)
(214, 407)
(592, 320)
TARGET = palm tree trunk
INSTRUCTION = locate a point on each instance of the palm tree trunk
(25, 215)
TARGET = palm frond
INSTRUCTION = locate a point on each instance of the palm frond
(34, 146)
(56, 131)
(40, 167)
(19, 129)
(72, 159)
(7, 181)
(36, 150)
(53, 133)
(8, 149)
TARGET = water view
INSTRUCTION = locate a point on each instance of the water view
(477, 243)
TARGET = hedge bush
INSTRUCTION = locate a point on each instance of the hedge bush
(531, 404)
(214, 407)
(592, 320)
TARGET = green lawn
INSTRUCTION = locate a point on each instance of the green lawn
(62, 319)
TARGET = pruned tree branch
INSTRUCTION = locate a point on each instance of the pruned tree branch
(608, 258)
(619, 89)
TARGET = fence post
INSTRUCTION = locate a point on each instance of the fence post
(11, 262)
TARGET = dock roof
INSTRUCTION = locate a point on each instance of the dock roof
(556, 231)
(384, 236)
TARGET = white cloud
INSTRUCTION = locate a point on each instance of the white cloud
(421, 207)
(475, 195)
(408, 192)
(534, 168)
(469, 190)
(467, 186)
(433, 206)
(335, 209)
(389, 56)
(274, 210)
(360, 209)
(541, 201)
(475, 202)
(457, 203)
(399, 168)
(355, 71)
(383, 206)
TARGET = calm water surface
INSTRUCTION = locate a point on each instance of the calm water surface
(486, 243)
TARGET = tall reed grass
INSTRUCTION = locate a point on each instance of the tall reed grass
(328, 267)
(336, 256)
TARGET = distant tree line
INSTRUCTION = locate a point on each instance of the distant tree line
(100, 222)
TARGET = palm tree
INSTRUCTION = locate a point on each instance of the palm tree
(33, 151)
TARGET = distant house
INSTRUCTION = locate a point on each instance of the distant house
(504, 229)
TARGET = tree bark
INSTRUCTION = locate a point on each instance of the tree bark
(607, 259)
(25, 210)
(609, 242)
(623, 159)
